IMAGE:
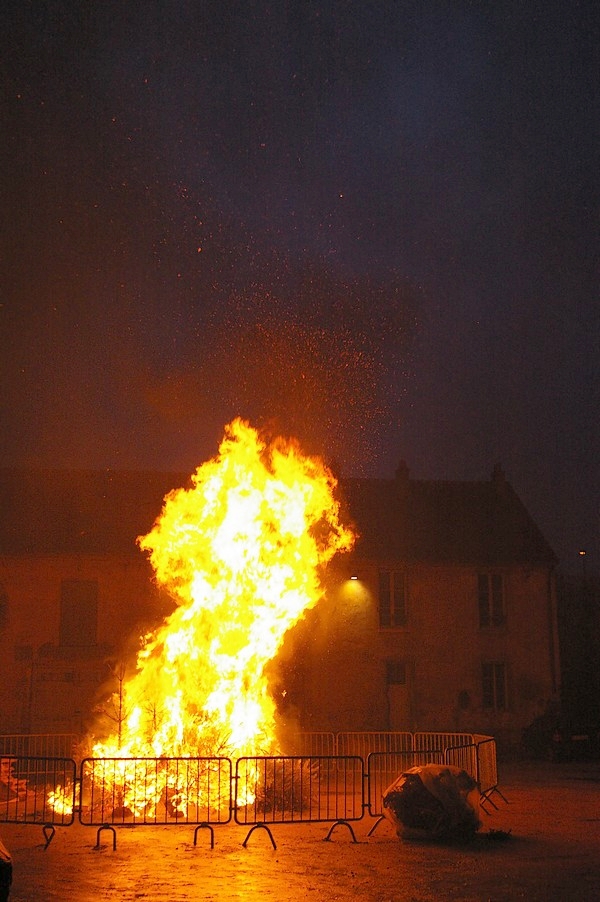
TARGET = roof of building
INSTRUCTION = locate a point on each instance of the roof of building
(401, 519)
(441, 522)
(59, 511)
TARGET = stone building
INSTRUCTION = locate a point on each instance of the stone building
(75, 590)
(442, 618)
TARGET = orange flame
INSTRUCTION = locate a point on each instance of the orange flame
(242, 552)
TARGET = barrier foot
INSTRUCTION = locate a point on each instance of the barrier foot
(483, 801)
(48, 831)
(376, 824)
(255, 827)
(114, 836)
(340, 823)
(486, 798)
(495, 789)
(205, 827)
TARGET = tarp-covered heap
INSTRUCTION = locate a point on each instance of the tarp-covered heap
(435, 800)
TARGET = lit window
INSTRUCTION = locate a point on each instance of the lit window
(392, 598)
(494, 685)
(491, 599)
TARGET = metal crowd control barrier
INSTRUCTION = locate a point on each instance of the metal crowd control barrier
(299, 790)
(165, 791)
(465, 757)
(487, 771)
(432, 741)
(384, 767)
(111, 792)
(479, 760)
(38, 791)
(363, 743)
(38, 745)
(318, 743)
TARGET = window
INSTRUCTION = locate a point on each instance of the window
(78, 612)
(494, 685)
(491, 599)
(395, 672)
(392, 598)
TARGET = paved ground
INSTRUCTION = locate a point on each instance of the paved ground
(551, 855)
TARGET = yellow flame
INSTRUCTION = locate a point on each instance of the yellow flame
(242, 553)
(61, 800)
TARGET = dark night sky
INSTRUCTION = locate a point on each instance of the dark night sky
(371, 225)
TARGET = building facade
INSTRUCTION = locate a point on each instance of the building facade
(76, 593)
(442, 618)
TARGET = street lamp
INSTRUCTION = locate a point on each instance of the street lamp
(583, 574)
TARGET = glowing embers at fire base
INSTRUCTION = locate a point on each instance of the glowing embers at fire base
(242, 553)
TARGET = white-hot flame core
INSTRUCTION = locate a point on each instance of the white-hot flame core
(242, 552)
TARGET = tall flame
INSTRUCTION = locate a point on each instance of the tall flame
(242, 553)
